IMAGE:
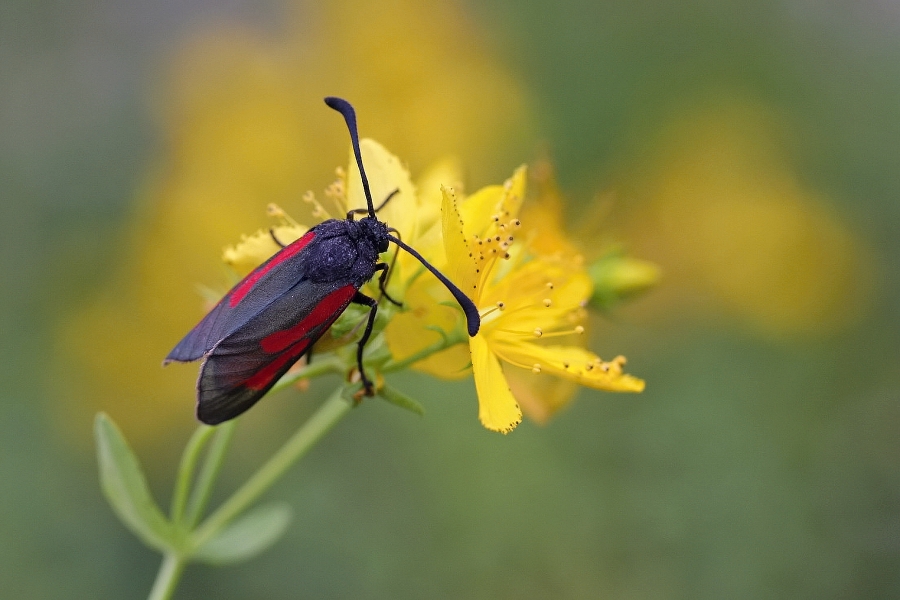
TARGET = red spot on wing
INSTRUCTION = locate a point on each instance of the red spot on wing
(244, 287)
(263, 378)
(324, 313)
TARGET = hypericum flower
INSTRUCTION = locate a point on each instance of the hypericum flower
(524, 303)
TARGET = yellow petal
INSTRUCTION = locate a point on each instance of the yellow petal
(478, 210)
(539, 396)
(460, 266)
(573, 363)
(530, 301)
(385, 173)
(253, 250)
(504, 201)
(411, 331)
(515, 191)
(542, 219)
(497, 408)
(426, 239)
(405, 336)
(446, 172)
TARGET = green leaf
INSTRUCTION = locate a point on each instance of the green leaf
(247, 536)
(398, 398)
(125, 487)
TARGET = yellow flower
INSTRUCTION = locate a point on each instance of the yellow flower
(523, 300)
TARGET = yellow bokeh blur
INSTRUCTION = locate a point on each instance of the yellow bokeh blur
(736, 232)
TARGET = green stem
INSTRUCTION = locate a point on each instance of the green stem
(322, 366)
(209, 472)
(167, 578)
(186, 470)
(332, 411)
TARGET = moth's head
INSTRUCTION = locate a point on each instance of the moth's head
(377, 231)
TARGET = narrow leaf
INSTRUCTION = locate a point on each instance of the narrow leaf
(398, 398)
(247, 536)
(126, 489)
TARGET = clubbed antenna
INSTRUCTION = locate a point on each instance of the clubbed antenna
(473, 320)
(346, 109)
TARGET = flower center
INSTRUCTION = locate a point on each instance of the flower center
(495, 244)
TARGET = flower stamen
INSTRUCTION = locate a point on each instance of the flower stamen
(539, 332)
(277, 212)
(318, 211)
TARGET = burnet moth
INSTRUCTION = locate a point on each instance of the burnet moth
(272, 318)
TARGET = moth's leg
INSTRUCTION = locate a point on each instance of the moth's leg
(382, 281)
(361, 298)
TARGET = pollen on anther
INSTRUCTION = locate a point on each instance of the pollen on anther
(590, 366)
(538, 332)
(536, 368)
(501, 305)
(550, 285)
(579, 329)
(547, 302)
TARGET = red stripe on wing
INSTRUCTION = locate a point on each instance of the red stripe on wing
(244, 287)
(262, 379)
(324, 313)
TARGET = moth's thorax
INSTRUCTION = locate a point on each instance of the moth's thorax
(345, 250)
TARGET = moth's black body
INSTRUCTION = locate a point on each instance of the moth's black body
(272, 318)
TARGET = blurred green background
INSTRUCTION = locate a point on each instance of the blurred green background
(752, 149)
